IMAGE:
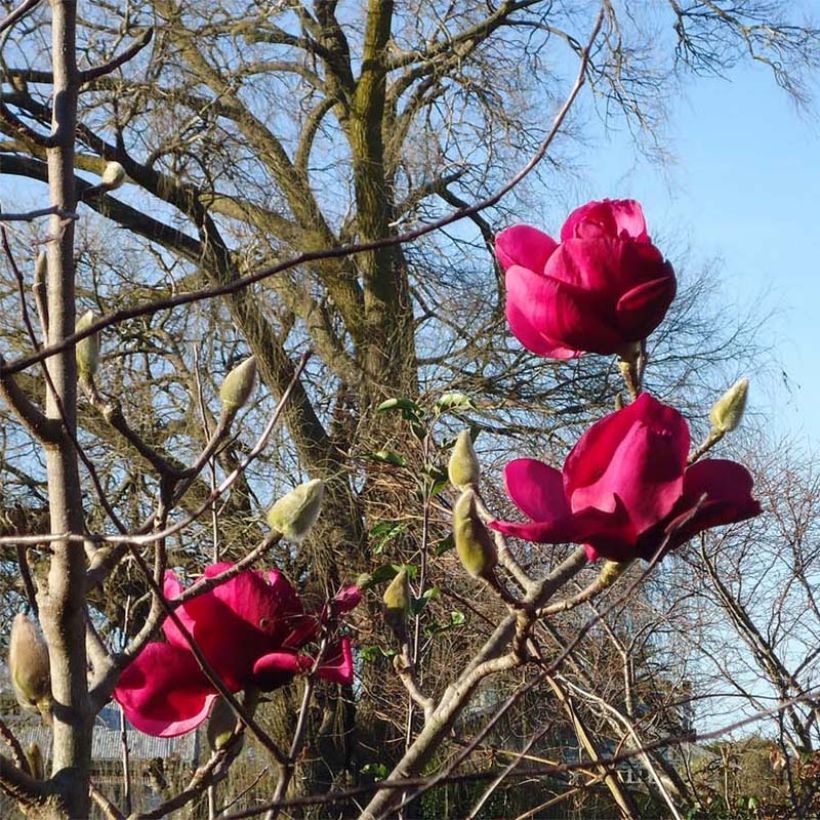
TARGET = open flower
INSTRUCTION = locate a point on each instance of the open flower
(251, 629)
(625, 484)
(604, 287)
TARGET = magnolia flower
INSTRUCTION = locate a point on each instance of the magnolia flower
(603, 288)
(625, 485)
(251, 629)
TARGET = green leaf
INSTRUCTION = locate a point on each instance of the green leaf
(409, 409)
(445, 545)
(418, 604)
(456, 619)
(379, 770)
(387, 457)
(384, 532)
(454, 401)
(372, 653)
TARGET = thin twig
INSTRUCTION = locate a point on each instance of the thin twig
(100, 71)
(28, 216)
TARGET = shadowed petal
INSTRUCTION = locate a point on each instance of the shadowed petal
(641, 310)
(536, 489)
(164, 692)
(278, 668)
(523, 287)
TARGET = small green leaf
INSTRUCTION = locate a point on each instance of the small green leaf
(409, 409)
(386, 572)
(372, 653)
(456, 618)
(384, 532)
(445, 545)
(418, 604)
(379, 770)
(454, 401)
(387, 457)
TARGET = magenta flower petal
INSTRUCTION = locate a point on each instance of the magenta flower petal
(164, 692)
(581, 319)
(640, 310)
(728, 489)
(347, 598)
(618, 218)
(172, 588)
(278, 669)
(539, 532)
(524, 246)
(536, 489)
(337, 667)
(523, 286)
(636, 457)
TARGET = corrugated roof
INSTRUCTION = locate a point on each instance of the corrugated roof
(106, 744)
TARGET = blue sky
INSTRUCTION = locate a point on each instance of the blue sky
(744, 187)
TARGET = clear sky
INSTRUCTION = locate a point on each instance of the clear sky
(744, 186)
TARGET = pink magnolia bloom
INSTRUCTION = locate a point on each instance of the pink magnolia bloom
(603, 287)
(250, 629)
(624, 485)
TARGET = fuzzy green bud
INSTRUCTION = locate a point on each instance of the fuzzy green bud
(727, 411)
(222, 725)
(29, 666)
(113, 176)
(87, 349)
(463, 468)
(295, 513)
(474, 545)
(238, 386)
(396, 601)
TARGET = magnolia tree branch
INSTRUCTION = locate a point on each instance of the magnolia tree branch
(338, 252)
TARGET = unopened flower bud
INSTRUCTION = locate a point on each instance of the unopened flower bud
(727, 411)
(396, 601)
(222, 724)
(36, 765)
(463, 468)
(295, 513)
(29, 665)
(113, 175)
(87, 349)
(238, 386)
(474, 545)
